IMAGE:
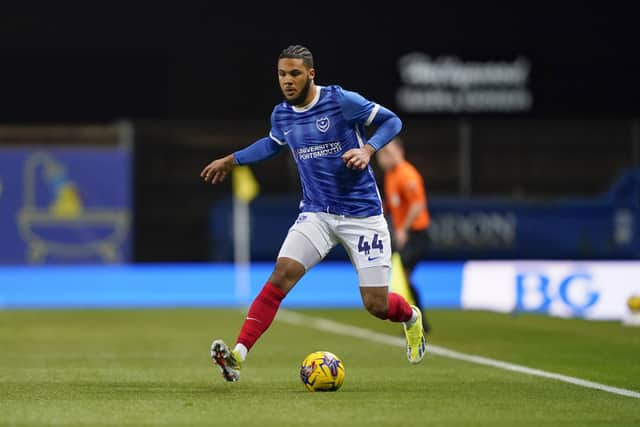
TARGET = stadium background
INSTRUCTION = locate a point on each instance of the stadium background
(117, 261)
(524, 122)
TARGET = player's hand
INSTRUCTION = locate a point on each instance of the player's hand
(358, 158)
(217, 170)
(401, 237)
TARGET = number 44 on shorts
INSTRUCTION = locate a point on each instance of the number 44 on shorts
(364, 246)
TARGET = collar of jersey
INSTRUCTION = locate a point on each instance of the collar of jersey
(309, 105)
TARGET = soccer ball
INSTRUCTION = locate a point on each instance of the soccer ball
(634, 303)
(322, 371)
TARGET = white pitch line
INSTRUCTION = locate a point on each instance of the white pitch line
(327, 325)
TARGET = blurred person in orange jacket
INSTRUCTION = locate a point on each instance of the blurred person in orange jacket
(407, 209)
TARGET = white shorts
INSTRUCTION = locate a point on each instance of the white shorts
(366, 241)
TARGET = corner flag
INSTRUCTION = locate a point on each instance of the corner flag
(245, 189)
(245, 186)
(399, 282)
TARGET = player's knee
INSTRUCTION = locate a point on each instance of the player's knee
(280, 279)
(286, 274)
(376, 305)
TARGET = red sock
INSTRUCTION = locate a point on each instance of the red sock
(261, 314)
(399, 308)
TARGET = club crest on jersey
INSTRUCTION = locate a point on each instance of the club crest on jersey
(323, 124)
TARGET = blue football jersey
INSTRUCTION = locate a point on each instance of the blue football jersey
(318, 135)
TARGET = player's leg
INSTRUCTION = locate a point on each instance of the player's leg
(385, 305)
(392, 306)
(263, 309)
(304, 246)
(367, 242)
(261, 313)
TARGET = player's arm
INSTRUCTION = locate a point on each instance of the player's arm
(412, 190)
(402, 233)
(357, 109)
(262, 149)
(388, 126)
(414, 210)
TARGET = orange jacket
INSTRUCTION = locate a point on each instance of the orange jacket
(404, 185)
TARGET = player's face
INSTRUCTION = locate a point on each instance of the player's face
(295, 80)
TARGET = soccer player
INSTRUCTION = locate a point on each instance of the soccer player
(323, 127)
(406, 202)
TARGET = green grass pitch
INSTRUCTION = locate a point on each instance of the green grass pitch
(152, 367)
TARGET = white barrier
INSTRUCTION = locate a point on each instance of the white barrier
(592, 290)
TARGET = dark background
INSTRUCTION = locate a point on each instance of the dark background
(102, 60)
(198, 81)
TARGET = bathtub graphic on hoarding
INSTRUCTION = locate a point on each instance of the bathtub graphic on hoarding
(55, 219)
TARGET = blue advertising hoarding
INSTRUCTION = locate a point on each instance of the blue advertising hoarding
(65, 205)
(329, 284)
(604, 227)
(595, 290)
